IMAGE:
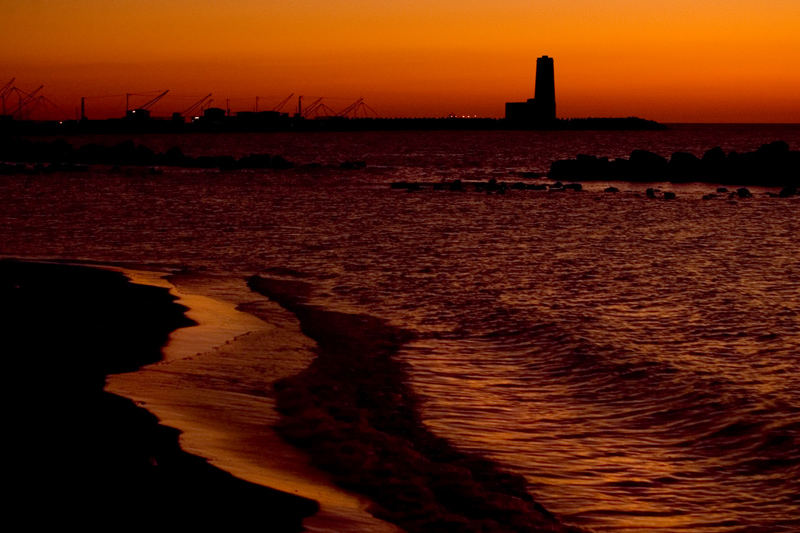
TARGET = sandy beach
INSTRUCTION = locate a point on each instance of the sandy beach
(94, 456)
(141, 410)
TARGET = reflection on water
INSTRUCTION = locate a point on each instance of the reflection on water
(636, 360)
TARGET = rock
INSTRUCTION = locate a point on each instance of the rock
(174, 156)
(647, 164)
(684, 166)
(722, 189)
(279, 163)
(403, 185)
(744, 193)
(573, 186)
(587, 167)
(788, 191)
(255, 161)
(715, 155)
(651, 193)
(493, 186)
(353, 165)
(773, 150)
(669, 195)
(611, 189)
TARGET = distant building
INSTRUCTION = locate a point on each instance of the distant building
(542, 108)
(214, 114)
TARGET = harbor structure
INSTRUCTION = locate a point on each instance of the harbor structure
(541, 109)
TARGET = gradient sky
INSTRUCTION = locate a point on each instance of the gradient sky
(679, 60)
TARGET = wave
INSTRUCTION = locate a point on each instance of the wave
(355, 414)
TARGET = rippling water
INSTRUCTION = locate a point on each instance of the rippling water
(637, 360)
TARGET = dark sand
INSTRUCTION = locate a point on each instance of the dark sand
(354, 413)
(81, 456)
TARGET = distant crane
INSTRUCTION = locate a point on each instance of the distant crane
(318, 109)
(179, 117)
(358, 109)
(6, 90)
(143, 111)
(25, 98)
(47, 105)
(283, 103)
(306, 111)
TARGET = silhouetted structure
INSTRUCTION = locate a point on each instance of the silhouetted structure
(542, 108)
(545, 95)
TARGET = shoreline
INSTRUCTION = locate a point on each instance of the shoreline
(347, 406)
(228, 417)
(88, 456)
(354, 413)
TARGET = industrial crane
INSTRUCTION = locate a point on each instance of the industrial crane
(356, 108)
(25, 98)
(179, 117)
(4, 91)
(316, 107)
(304, 112)
(283, 103)
(142, 112)
(46, 105)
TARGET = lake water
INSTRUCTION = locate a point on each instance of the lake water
(637, 360)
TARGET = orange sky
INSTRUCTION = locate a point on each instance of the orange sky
(679, 60)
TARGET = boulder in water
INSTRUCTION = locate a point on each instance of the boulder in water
(353, 165)
(684, 166)
(644, 163)
(456, 185)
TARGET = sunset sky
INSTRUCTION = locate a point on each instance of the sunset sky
(679, 60)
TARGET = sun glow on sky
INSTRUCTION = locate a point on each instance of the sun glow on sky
(679, 60)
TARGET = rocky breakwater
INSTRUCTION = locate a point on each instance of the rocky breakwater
(772, 165)
(489, 187)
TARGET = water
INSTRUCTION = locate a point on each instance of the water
(636, 360)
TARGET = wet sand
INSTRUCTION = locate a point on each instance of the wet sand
(216, 384)
(80, 455)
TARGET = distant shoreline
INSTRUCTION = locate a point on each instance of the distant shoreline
(283, 123)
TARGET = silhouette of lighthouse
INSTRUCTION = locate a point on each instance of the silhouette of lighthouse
(542, 108)
(545, 95)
